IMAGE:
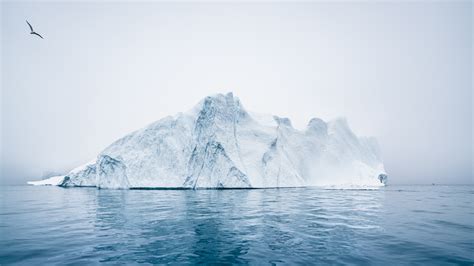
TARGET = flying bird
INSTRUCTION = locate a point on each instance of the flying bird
(32, 31)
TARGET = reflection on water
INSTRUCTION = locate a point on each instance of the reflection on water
(411, 224)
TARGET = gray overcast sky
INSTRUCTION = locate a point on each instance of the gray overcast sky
(401, 72)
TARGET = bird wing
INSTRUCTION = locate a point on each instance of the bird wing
(37, 34)
(31, 28)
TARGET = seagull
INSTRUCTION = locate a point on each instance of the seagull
(32, 31)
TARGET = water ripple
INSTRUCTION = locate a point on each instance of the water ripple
(402, 225)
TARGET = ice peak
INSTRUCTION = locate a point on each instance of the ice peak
(317, 125)
(225, 106)
(285, 121)
(221, 97)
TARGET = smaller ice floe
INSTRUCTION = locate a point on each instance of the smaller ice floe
(52, 181)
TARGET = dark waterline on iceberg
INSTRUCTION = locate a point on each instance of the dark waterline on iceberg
(395, 224)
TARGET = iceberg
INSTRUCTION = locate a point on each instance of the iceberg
(218, 144)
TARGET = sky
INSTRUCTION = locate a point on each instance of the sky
(399, 71)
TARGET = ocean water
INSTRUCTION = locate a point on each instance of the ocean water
(396, 225)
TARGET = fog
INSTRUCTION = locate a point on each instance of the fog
(401, 72)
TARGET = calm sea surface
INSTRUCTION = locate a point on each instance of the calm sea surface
(396, 225)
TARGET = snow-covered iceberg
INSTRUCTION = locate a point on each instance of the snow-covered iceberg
(218, 144)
